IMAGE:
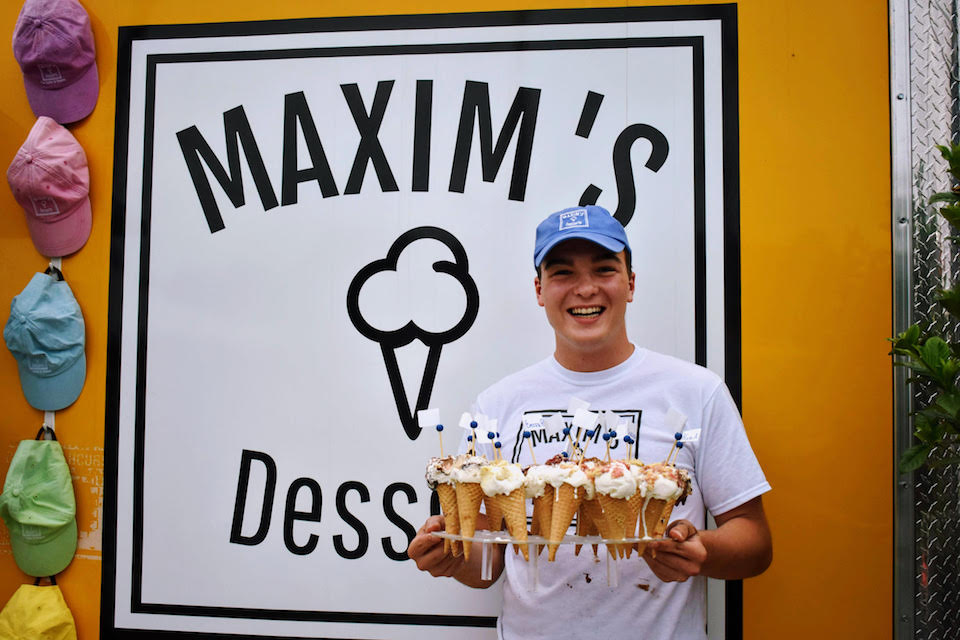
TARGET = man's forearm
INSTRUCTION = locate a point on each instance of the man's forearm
(469, 572)
(740, 547)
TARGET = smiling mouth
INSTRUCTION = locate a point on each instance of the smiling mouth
(585, 312)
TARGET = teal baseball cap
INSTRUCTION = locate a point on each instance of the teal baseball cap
(589, 222)
(45, 333)
(39, 508)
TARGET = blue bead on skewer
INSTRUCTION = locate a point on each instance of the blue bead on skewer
(469, 438)
(490, 435)
(526, 434)
(497, 444)
(628, 439)
(565, 454)
(606, 437)
(613, 434)
(566, 431)
(679, 445)
(473, 424)
(439, 427)
(590, 433)
(677, 436)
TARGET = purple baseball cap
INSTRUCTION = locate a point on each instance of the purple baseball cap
(53, 43)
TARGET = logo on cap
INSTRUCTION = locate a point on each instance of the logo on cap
(45, 206)
(574, 219)
(50, 74)
(31, 532)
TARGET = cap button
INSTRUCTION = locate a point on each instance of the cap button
(37, 23)
(28, 158)
(16, 493)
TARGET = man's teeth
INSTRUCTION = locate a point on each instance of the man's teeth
(586, 311)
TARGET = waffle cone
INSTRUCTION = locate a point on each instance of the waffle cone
(448, 505)
(494, 513)
(650, 517)
(542, 514)
(469, 497)
(586, 522)
(636, 504)
(514, 509)
(616, 511)
(567, 501)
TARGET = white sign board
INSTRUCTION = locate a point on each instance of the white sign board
(324, 226)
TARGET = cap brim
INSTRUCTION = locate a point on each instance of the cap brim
(57, 392)
(68, 104)
(604, 241)
(47, 558)
(65, 235)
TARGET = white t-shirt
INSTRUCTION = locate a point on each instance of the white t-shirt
(572, 599)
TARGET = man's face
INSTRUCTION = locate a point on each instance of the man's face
(584, 290)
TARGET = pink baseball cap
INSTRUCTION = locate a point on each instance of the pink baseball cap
(50, 180)
(53, 43)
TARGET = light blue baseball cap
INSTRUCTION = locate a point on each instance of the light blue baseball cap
(589, 222)
(45, 334)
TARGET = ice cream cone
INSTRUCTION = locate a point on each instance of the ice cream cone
(469, 497)
(636, 504)
(650, 516)
(567, 501)
(586, 523)
(616, 512)
(514, 509)
(448, 505)
(494, 513)
(542, 514)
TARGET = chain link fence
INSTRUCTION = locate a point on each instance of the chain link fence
(935, 264)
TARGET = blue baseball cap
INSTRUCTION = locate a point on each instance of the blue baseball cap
(591, 223)
(45, 334)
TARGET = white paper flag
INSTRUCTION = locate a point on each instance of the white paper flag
(428, 418)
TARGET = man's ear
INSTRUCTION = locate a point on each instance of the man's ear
(633, 283)
(536, 287)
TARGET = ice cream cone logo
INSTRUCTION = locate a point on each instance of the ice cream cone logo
(390, 340)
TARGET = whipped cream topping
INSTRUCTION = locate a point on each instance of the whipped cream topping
(616, 480)
(666, 482)
(535, 480)
(466, 468)
(500, 478)
(439, 471)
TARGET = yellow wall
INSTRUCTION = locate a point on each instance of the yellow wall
(815, 189)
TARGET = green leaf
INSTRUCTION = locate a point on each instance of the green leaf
(950, 403)
(950, 299)
(951, 214)
(926, 428)
(945, 461)
(935, 353)
(944, 196)
(914, 457)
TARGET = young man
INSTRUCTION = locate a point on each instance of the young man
(584, 283)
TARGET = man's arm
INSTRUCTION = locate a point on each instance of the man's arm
(427, 551)
(740, 547)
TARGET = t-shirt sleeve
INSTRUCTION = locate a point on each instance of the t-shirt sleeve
(728, 472)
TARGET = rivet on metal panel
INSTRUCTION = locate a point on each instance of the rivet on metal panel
(900, 96)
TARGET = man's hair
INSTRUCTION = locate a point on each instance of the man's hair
(626, 256)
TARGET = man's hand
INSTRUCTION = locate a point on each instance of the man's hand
(427, 552)
(740, 547)
(677, 559)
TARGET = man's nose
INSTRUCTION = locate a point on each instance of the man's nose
(586, 285)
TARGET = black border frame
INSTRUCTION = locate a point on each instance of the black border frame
(725, 13)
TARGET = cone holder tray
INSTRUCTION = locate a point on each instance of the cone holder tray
(489, 538)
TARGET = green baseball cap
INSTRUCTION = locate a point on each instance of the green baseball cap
(39, 508)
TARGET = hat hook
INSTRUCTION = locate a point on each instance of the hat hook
(54, 269)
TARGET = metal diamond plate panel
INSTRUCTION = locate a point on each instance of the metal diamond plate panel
(934, 104)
